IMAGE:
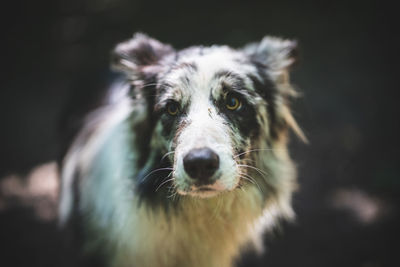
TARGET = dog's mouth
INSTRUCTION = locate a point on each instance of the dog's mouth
(202, 192)
(205, 191)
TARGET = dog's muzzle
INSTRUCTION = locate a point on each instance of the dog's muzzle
(201, 164)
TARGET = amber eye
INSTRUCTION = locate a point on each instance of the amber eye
(172, 108)
(233, 103)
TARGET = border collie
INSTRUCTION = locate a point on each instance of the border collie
(187, 162)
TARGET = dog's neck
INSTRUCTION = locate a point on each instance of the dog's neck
(215, 228)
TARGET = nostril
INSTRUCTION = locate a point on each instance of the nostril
(201, 163)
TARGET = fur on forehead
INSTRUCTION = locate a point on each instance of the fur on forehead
(147, 61)
(205, 71)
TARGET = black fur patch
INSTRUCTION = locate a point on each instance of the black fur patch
(244, 119)
(169, 125)
(143, 129)
(238, 82)
(150, 187)
(268, 91)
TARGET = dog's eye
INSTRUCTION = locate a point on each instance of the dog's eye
(172, 108)
(232, 102)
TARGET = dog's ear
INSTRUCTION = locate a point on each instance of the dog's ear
(139, 57)
(276, 56)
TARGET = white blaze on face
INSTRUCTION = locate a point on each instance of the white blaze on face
(205, 128)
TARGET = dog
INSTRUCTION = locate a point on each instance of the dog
(186, 164)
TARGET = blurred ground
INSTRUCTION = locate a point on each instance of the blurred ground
(55, 60)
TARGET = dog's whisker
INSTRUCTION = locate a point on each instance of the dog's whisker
(163, 183)
(248, 176)
(249, 160)
(174, 193)
(156, 170)
(166, 154)
(146, 85)
(255, 150)
(250, 179)
(254, 168)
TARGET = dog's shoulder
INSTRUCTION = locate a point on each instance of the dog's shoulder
(95, 127)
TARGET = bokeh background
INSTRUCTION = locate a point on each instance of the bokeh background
(55, 66)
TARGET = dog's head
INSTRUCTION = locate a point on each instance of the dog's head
(211, 106)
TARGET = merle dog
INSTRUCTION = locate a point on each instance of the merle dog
(187, 162)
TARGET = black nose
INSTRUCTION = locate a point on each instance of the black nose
(201, 164)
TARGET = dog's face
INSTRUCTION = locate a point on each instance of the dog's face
(207, 116)
(210, 106)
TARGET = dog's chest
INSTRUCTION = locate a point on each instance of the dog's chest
(201, 233)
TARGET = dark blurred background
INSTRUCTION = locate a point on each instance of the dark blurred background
(55, 64)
